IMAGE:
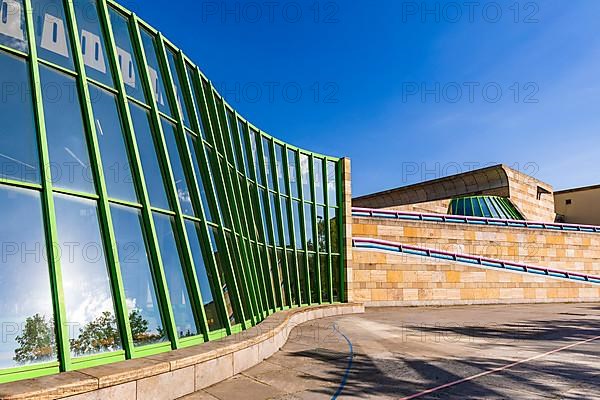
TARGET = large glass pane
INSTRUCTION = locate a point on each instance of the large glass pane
(279, 167)
(254, 136)
(93, 47)
(287, 234)
(25, 299)
(177, 88)
(12, 25)
(324, 265)
(51, 32)
(334, 230)
(174, 274)
(224, 279)
(197, 100)
(127, 60)
(275, 218)
(283, 275)
(243, 141)
(232, 138)
(181, 184)
(298, 225)
(206, 281)
(212, 170)
(239, 274)
(113, 149)
(302, 272)
(149, 158)
(156, 79)
(93, 326)
(335, 278)
(293, 173)
(67, 144)
(18, 158)
(263, 214)
(192, 143)
(314, 278)
(268, 164)
(306, 183)
(308, 223)
(291, 262)
(319, 186)
(322, 230)
(140, 290)
(332, 183)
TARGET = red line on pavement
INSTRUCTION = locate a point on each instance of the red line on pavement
(493, 371)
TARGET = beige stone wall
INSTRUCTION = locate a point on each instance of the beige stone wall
(583, 208)
(347, 223)
(388, 279)
(573, 251)
(430, 207)
(524, 194)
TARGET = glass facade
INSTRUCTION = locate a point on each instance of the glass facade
(141, 213)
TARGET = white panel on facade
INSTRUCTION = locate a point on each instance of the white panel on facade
(126, 64)
(93, 55)
(53, 35)
(155, 86)
(10, 19)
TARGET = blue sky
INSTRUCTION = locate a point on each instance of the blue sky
(408, 90)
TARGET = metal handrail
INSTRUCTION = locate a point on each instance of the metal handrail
(447, 218)
(471, 259)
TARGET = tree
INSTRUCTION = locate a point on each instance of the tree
(37, 342)
(98, 335)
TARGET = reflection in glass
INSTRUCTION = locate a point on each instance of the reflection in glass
(140, 290)
(334, 230)
(279, 167)
(113, 150)
(292, 271)
(197, 100)
(335, 274)
(324, 265)
(314, 278)
(283, 277)
(234, 147)
(321, 230)
(287, 234)
(268, 164)
(26, 313)
(263, 214)
(302, 272)
(212, 170)
(67, 144)
(192, 143)
(93, 48)
(12, 25)
(298, 225)
(157, 82)
(275, 275)
(293, 173)
(51, 32)
(18, 158)
(308, 223)
(205, 279)
(224, 281)
(127, 60)
(181, 184)
(319, 187)
(174, 274)
(305, 170)
(275, 218)
(88, 296)
(243, 142)
(236, 261)
(149, 158)
(254, 136)
(177, 88)
(332, 183)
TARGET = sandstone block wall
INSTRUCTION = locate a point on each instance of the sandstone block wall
(389, 279)
(573, 251)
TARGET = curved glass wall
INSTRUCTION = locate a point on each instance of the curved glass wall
(485, 207)
(140, 212)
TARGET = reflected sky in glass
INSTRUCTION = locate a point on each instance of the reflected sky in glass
(292, 157)
(298, 226)
(18, 158)
(332, 183)
(279, 152)
(275, 218)
(140, 290)
(268, 164)
(193, 141)
(173, 268)
(13, 32)
(219, 260)
(308, 223)
(51, 32)
(149, 158)
(67, 144)
(319, 187)
(88, 294)
(156, 78)
(177, 87)
(113, 150)
(205, 278)
(305, 170)
(25, 298)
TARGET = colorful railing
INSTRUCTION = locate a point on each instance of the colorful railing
(459, 219)
(473, 260)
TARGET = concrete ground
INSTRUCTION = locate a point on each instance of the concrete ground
(477, 352)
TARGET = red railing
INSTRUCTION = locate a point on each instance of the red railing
(470, 259)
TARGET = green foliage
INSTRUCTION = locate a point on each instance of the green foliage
(97, 336)
(37, 342)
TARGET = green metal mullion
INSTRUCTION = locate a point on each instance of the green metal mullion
(327, 230)
(269, 217)
(186, 161)
(103, 204)
(205, 235)
(209, 105)
(303, 224)
(291, 223)
(234, 210)
(315, 224)
(139, 179)
(163, 157)
(341, 228)
(279, 220)
(55, 270)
